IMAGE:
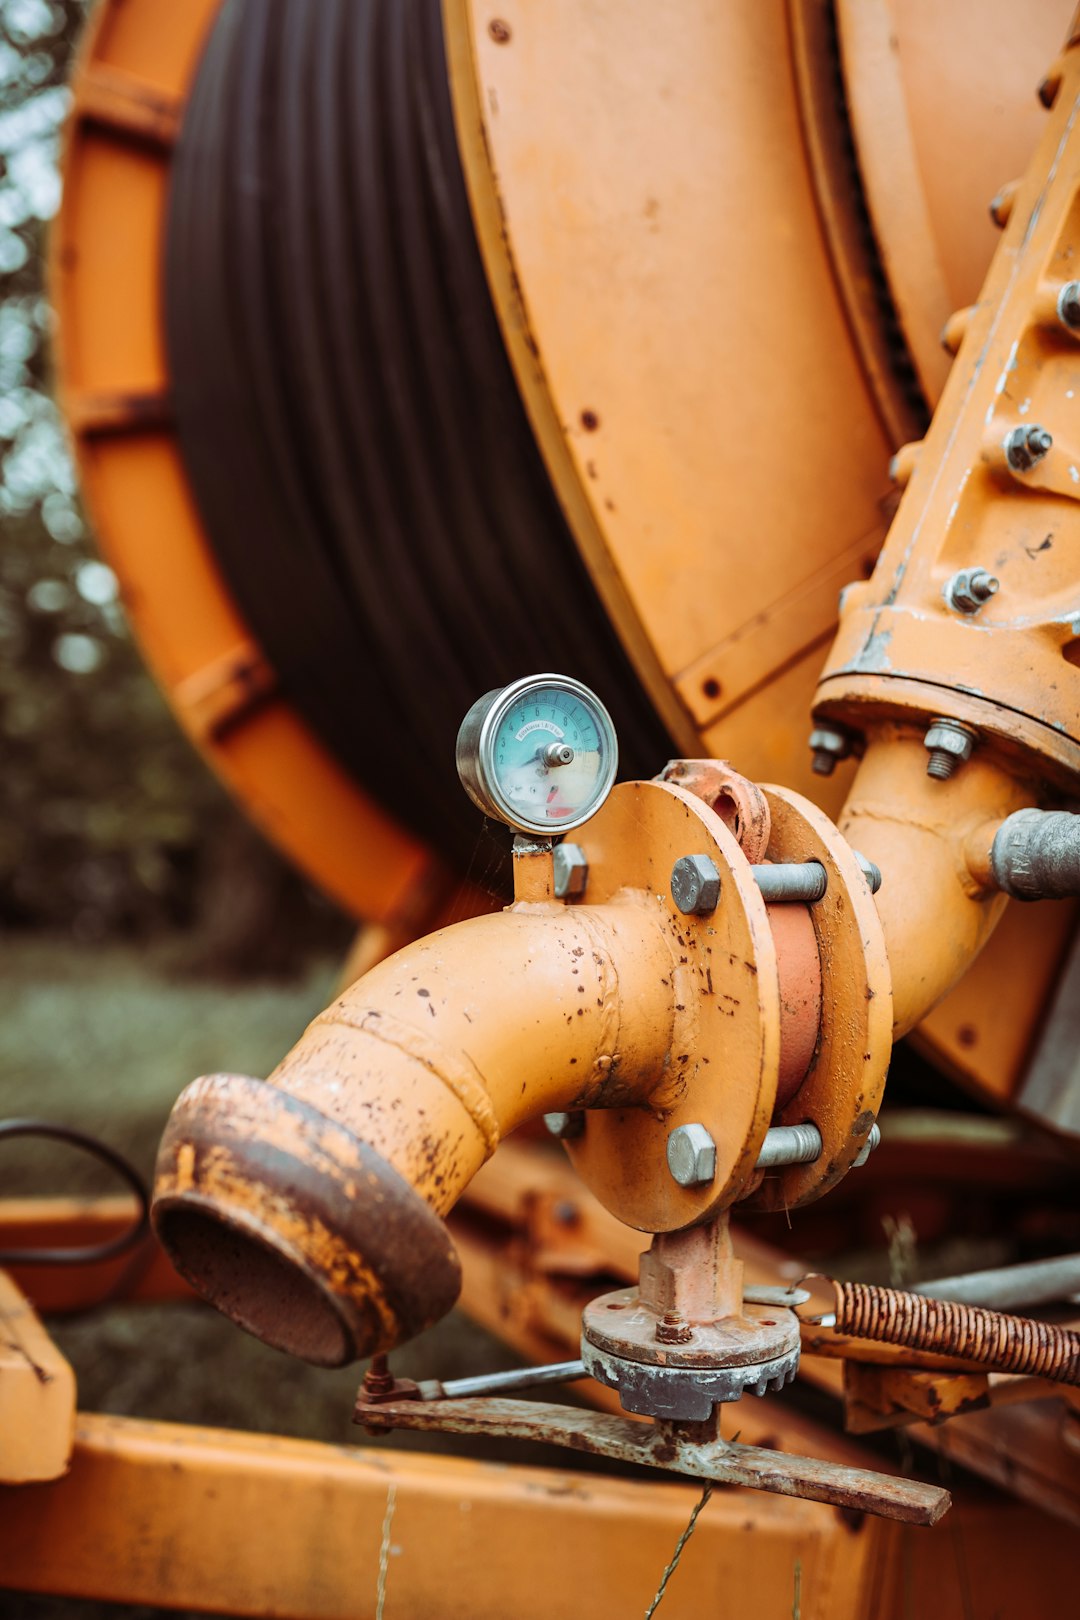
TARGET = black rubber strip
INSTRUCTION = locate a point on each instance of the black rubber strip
(348, 417)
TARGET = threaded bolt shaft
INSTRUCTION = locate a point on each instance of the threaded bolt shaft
(941, 765)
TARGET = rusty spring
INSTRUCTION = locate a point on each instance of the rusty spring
(1013, 1344)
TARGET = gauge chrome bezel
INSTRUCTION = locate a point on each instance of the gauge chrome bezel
(476, 753)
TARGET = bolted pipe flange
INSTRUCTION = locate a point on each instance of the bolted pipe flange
(950, 743)
(691, 1156)
(566, 1127)
(571, 869)
(970, 589)
(695, 885)
(1025, 446)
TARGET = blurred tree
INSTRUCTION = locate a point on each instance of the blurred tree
(108, 822)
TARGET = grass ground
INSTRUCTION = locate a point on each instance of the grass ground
(105, 1039)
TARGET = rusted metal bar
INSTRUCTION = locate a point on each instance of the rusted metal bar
(37, 1396)
(676, 1448)
(1037, 1282)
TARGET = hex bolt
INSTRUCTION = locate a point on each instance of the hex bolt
(1026, 445)
(691, 1155)
(567, 1127)
(695, 885)
(571, 871)
(968, 590)
(828, 744)
(1068, 306)
(870, 871)
(872, 1142)
(950, 743)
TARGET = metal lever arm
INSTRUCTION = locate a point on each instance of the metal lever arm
(694, 1449)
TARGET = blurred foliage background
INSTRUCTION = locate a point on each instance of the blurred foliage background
(110, 827)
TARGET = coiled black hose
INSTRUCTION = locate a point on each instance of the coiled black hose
(94, 1253)
(347, 413)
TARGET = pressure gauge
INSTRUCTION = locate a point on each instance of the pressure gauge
(539, 754)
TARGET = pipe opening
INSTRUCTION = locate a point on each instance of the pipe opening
(261, 1289)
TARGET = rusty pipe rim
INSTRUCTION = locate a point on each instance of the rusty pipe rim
(294, 1228)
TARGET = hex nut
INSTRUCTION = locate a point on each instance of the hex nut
(970, 589)
(1026, 446)
(691, 1155)
(870, 871)
(695, 885)
(571, 871)
(1068, 305)
(872, 1143)
(828, 744)
(949, 737)
(566, 1127)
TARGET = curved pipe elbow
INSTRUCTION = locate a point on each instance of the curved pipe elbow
(307, 1208)
(936, 913)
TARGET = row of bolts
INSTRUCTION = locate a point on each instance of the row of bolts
(950, 742)
(695, 889)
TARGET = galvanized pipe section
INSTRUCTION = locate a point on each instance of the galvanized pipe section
(1036, 855)
(1038, 1282)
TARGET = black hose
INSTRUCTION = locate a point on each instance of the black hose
(90, 1255)
(359, 452)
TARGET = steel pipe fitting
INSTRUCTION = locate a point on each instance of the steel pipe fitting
(306, 1207)
(1036, 855)
(936, 924)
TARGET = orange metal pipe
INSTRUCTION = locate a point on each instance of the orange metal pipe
(923, 833)
(306, 1208)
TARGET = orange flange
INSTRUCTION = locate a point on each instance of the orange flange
(722, 1073)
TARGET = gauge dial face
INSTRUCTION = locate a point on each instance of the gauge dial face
(545, 757)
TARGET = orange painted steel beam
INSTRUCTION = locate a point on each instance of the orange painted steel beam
(37, 1395)
(247, 1525)
(143, 1276)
